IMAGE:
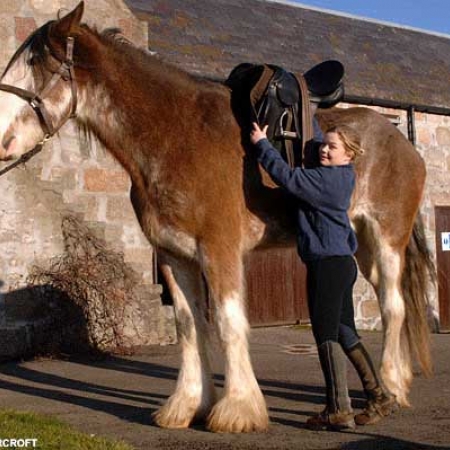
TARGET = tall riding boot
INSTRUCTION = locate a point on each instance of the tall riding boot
(380, 402)
(338, 414)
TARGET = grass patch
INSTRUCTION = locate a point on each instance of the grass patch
(51, 434)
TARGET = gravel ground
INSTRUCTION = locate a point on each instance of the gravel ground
(114, 397)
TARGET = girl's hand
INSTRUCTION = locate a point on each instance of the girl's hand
(257, 133)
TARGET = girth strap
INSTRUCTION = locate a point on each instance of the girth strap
(307, 119)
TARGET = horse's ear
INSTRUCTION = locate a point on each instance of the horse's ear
(60, 29)
(67, 24)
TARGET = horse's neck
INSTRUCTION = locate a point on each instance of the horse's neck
(129, 115)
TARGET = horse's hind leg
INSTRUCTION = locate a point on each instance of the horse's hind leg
(396, 370)
(194, 394)
(242, 407)
(382, 265)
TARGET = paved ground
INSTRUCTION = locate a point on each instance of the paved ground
(115, 397)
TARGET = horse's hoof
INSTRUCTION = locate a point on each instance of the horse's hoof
(182, 411)
(178, 412)
(164, 419)
(400, 394)
(403, 401)
(400, 387)
(238, 416)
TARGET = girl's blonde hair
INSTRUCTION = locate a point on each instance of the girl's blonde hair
(350, 138)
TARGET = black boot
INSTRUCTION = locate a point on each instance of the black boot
(338, 414)
(380, 402)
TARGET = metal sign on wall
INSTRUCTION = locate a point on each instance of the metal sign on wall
(442, 218)
(445, 238)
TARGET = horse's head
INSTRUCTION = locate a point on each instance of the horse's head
(38, 87)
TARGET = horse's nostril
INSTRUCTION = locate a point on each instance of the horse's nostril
(7, 141)
(9, 147)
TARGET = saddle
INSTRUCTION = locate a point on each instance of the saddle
(284, 101)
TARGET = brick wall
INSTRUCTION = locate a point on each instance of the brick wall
(71, 175)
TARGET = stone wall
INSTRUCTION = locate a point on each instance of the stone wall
(71, 175)
(76, 176)
(433, 143)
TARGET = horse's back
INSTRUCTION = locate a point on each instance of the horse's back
(391, 168)
(382, 140)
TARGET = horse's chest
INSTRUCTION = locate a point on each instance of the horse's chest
(162, 223)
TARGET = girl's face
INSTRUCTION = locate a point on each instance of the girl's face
(332, 152)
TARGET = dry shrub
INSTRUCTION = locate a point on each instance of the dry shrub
(88, 286)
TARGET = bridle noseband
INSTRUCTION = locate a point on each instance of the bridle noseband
(66, 72)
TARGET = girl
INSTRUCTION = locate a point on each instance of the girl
(326, 244)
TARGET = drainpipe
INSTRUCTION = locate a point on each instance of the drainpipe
(411, 125)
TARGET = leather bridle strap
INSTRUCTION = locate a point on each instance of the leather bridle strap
(35, 102)
(66, 72)
(68, 64)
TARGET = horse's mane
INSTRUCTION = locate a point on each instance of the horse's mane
(142, 56)
(36, 42)
(113, 38)
(127, 55)
(117, 38)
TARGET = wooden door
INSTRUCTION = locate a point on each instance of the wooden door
(276, 287)
(442, 215)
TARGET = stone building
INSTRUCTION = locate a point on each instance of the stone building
(399, 71)
(71, 176)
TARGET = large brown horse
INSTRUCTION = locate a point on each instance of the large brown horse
(203, 202)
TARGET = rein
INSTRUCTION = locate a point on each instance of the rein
(36, 101)
(24, 158)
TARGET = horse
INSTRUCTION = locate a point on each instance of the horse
(203, 203)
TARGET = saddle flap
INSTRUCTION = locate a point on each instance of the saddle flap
(276, 98)
(287, 88)
(250, 80)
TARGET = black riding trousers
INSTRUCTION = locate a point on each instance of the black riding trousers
(330, 299)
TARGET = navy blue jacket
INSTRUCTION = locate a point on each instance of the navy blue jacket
(323, 195)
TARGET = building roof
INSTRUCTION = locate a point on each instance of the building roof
(382, 61)
(388, 23)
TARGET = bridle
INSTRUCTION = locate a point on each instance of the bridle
(36, 100)
(64, 71)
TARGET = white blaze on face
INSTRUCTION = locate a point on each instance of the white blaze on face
(20, 127)
(18, 75)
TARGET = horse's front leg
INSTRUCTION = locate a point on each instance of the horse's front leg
(242, 407)
(194, 395)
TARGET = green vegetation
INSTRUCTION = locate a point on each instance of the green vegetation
(50, 433)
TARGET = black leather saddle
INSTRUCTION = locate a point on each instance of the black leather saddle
(280, 99)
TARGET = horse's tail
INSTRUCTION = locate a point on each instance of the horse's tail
(418, 274)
